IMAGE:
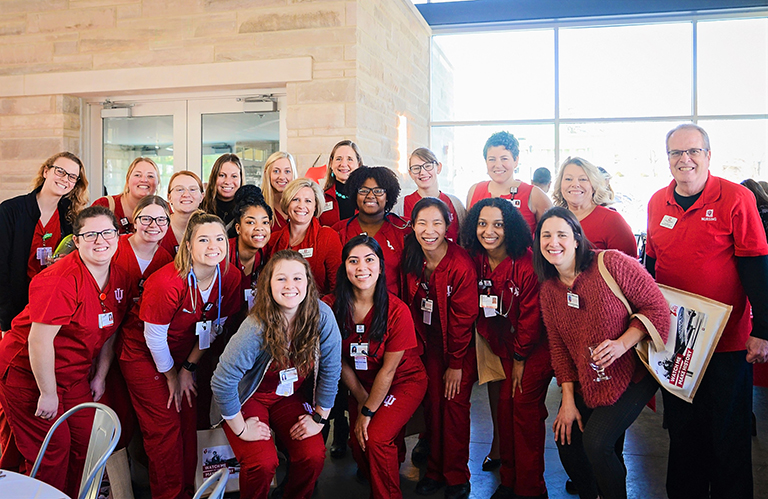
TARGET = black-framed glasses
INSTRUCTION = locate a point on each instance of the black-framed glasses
(106, 234)
(692, 153)
(146, 220)
(378, 191)
(181, 190)
(416, 169)
(61, 173)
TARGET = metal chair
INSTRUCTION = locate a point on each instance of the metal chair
(104, 436)
(220, 479)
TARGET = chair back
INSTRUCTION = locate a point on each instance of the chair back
(104, 436)
(219, 483)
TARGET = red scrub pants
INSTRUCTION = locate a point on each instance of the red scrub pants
(62, 466)
(117, 397)
(258, 460)
(381, 462)
(10, 457)
(521, 421)
(448, 420)
(170, 437)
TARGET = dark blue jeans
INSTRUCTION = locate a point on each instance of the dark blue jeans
(710, 441)
(592, 460)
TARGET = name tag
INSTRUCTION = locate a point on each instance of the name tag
(284, 389)
(489, 301)
(358, 349)
(203, 332)
(289, 375)
(361, 363)
(328, 206)
(573, 300)
(307, 252)
(668, 221)
(44, 255)
(106, 320)
(515, 203)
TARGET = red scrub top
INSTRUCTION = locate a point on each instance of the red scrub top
(516, 286)
(43, 237)
(320, 247)
(169, 243)
(696, 250)
(400, 336)
(75, 306)
(391, 238)
(125, 258)
(123, 221)
(278, 221)
(330, 215)
(167, 299)
(607, 229)
(247, 281)
(453, 229)
(519, 200)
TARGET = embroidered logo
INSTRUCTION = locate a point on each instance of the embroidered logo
(119, 295)
(450, 288)
(389, 400)
(515, 290)
(308, 408)
(709, 216)
(390, 245)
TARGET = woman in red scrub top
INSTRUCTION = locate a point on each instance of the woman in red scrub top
(319, 245)
(185, 193)
(279, 169)
(441, 291)
(288, 337)
(381, 365)
(182, 310)
(46, 359)
(142, 179)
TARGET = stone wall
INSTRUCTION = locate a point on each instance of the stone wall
(369, 62)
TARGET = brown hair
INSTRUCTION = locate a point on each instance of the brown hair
(328, 182)
(305, 330)
(78, 196)
(188, 173)
(183, 260)
(148, 200)
(209, 200)
(132, 166)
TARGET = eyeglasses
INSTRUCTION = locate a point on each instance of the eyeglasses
(378, 191)
(181, 190)
(106, 234)
(416, 169)
(692, 153)
(61, 173)
(146, 220)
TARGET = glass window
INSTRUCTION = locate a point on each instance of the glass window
(626, 71)
(739, 148)
(733, 66)
(493, 76)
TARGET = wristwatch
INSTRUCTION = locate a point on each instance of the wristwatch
(367, 412)
(317, 418)
(189, 366)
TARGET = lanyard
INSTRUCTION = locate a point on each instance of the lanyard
(360, 340)
(192, 281)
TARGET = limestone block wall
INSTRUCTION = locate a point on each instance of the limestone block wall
(369, 62)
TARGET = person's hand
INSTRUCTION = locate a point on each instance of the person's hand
(607, 352)
(452, 381)
(757, 350)
(174, 391)
(361, 429)
(518, 366)
(567, 414)
(47, 406)
(187, 385)
(98, 385)
(305, 428)
(255, 430)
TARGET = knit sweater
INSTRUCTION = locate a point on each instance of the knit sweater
(600, 316)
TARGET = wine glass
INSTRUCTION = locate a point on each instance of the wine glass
(601, 376)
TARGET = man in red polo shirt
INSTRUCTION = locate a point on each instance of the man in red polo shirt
(705, 236)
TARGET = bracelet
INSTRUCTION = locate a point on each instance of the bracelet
(243, 430)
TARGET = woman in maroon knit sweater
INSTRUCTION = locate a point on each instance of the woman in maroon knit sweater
(580, 311)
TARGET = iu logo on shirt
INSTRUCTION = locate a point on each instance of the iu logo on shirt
(389, 400)
(709, 216)
(119, 295)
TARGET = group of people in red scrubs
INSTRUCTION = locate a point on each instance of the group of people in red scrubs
(277, 309)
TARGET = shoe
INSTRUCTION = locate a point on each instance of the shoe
(491, 464)
(420, 453)
(570, 487)
(360, 477)
(428, 486)
(503, 492)
(460, 491)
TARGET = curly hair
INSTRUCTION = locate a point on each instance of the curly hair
(304, 339)
(601, 195)
(209, 199)
(183, 260)
(504, 139)
(246, 197)
(78, 196)
(328, 181)
(384, 177)
(517, 232)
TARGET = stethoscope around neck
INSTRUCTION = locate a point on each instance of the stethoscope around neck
(192, 283)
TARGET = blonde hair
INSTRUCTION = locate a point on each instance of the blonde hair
(294, 186)
(328, 181)
(305, 334)
(188, 173)
(141, 159)
(266, 184)
(183, 260)
(209, 199)
(78, 196)
(423, 154)
(601, 196)
(149, 200)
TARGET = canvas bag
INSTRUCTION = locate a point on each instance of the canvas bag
(213, 453)
(697, 322)
(489, 366)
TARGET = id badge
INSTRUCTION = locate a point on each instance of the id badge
(44, 255)
(426, 309)
(284, 389)
(489, 301)
(106, 320)
(289, 375)
(307, 252)
(203, 332)
(328, 206)
(573, 300)
(516, 203)
(250, 297)
(358, 349)
(361, 363)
